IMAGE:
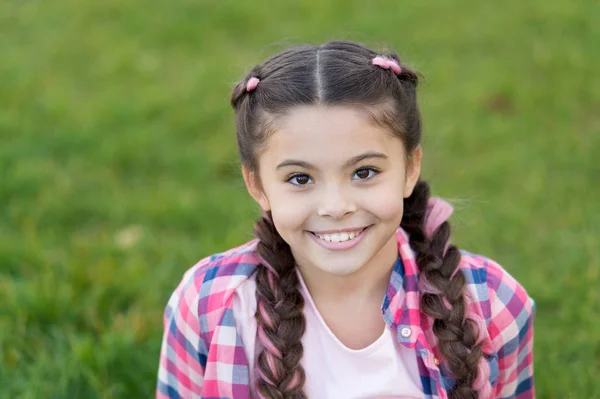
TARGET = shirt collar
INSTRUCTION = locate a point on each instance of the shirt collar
(400, 308)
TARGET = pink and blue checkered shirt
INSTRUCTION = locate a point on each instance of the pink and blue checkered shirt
(202, 355)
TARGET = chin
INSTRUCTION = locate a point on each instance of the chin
(340, 270)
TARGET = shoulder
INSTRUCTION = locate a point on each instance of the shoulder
(494, 293)
(206, 290)
(489, 281)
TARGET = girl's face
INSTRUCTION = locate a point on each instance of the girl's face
(335, 183)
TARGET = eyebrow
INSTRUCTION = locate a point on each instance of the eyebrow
(352, 161)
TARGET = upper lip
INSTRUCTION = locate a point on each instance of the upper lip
(340, 230)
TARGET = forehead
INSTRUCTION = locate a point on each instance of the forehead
(321, 134)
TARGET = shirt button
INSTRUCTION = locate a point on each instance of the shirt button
(405, 332)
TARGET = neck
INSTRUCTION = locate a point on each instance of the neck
(369, 282)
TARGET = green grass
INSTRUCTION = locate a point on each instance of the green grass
(118, 165)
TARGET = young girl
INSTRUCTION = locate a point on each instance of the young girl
(351, 288)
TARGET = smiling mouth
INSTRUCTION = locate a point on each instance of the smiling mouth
(339, 237)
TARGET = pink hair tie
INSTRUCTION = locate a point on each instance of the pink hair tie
(437, 212)
(252, 83)
(387, 63)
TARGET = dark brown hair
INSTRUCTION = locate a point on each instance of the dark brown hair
(341, 73)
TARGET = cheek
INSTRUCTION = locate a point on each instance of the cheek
(289, 212)
(385, 201)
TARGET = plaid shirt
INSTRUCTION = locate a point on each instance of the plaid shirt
(202, 355)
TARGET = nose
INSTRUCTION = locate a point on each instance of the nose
(336, 202)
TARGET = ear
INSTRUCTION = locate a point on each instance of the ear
(413, 171)
(254, 189)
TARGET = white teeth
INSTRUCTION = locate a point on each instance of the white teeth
(338, 237)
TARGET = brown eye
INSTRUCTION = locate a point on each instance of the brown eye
(302, 180)
(362, 173)
(365, 173)
(299, 180)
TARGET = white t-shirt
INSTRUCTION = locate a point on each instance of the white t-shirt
(383, 370)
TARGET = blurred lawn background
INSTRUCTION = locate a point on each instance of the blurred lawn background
(118, 165)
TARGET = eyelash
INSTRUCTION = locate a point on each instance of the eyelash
(369, 168)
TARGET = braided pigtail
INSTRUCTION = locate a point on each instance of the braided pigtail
(444, 298)
(279, 315)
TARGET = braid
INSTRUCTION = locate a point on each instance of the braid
(445, 303)
(279, 315)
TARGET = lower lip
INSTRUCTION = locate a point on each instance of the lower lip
(339, 246)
